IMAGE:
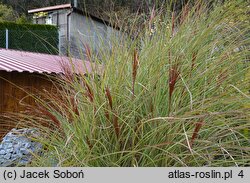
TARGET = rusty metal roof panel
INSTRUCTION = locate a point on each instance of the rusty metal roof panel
(20, 61)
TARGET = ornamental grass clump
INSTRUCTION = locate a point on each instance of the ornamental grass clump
(174, 96)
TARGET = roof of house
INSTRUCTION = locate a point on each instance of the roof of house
(20, 61)
(50, 8)
(68, 6)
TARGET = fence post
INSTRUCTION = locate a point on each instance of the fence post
(7, 38)
(59, 42)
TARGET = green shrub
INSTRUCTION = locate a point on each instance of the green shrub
(174, 96)
(30, 37)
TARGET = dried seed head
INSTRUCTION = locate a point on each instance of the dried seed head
(108, 94)
(196, 131)
(134, 70)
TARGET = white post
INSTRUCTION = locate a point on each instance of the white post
(75, 3)
(59, 42)
(7, 38)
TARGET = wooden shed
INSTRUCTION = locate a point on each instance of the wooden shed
(24, 73)
(15, 86)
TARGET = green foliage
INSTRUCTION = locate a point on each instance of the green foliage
(30, 37)
(176, 95)
(6, 13)
(23, 19)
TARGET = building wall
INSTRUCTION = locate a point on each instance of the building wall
(40, 20)
(14, 99)
(86, 31)
(61, 20)
(13, 86)
(82, 31)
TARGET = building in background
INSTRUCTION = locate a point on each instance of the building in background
(76, 29)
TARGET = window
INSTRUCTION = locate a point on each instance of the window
(49, 19)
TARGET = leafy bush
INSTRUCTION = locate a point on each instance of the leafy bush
(177, 95)
(6, 13)
(30, 37)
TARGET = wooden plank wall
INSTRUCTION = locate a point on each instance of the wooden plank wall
(12, 96)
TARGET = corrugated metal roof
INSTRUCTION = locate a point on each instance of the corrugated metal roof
(50, 8)
(20, 61)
